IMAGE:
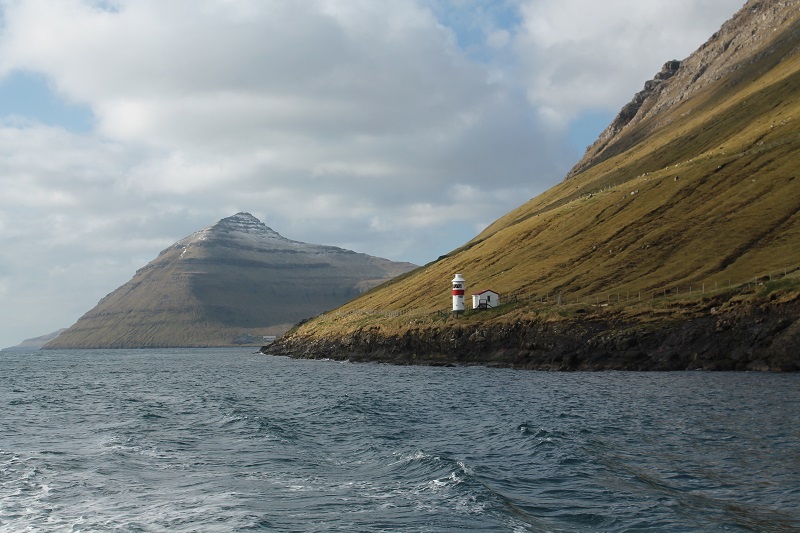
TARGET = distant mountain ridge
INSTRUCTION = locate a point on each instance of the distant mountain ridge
(35, 343)
(235, 277)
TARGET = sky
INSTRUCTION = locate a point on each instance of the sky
(397, 128)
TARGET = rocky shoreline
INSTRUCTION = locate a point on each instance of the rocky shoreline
(745, 337)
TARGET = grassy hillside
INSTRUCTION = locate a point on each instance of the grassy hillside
(703, 195)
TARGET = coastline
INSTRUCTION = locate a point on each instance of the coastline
(742, 336)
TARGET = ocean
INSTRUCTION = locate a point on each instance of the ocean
(229, 440)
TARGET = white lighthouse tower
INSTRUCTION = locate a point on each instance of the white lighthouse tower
(458, 293)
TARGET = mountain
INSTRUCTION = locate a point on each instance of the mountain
(35, 343)
(673, 243)
(237, 279)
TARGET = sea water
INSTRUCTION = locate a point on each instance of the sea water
(229, 440)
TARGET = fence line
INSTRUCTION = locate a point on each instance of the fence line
(602, 299)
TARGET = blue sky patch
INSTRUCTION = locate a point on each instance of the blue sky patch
(586, 128)
(30, 96)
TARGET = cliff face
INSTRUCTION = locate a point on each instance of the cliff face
(235, 277)
(630, 114)
(762, 32)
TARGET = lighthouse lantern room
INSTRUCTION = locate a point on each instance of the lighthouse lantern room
(458, 293)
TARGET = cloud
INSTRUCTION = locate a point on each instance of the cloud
(399, 129)
(580, 54)
(241, 94)
(181, 73)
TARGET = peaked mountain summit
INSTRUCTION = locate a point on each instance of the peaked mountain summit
(235, 280)
(674, 243)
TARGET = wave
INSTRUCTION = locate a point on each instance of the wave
(199, 440)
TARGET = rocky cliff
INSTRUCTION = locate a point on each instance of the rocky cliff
(763, 32)
(741, 335)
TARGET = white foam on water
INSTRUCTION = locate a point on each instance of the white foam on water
(413, 453)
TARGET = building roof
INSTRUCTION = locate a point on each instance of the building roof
(485, 291)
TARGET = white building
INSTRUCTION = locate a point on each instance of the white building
(485, 299)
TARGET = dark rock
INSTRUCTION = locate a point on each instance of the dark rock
(744, 337)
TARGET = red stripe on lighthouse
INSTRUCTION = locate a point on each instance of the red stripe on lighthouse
(458, 292)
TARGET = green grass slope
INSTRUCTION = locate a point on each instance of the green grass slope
(702, 195)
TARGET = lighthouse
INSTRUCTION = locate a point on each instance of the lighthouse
(458, 293)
